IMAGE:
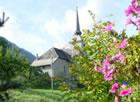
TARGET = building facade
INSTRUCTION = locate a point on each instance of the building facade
(55, 62)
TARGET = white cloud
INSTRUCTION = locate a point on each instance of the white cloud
(58, 29)
(13, 32)
(55, 27)
(55, 32)
(59, 44)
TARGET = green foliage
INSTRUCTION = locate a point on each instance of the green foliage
(98, 45)
(129, 71)
(38, 79)
(40, 95)
(14, 71)
(12, 65)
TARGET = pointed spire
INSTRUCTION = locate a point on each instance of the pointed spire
(77, 32)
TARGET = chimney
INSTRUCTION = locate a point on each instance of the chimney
(37, 57)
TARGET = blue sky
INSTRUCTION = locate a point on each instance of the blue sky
(37, 25)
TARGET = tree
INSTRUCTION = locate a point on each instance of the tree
(14, 70)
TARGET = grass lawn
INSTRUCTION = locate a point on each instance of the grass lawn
(39, 95)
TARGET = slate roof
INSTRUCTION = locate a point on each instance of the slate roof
(51, 54)
(62, 55)
(54, 53)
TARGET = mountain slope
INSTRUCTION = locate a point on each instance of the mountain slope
(7, 44)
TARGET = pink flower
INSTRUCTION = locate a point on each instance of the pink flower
(133, 2)
(97, 69)
(108, 77)
(108, 28)
(125, 92)
(129, 21)
(106, 62)
(136, 8)
(114, 87)
(133, 9)
(138, 28)
(119, 56)
(105, 70)
(108, 74)
(116, 99)
(110, 71)
(129, 10)
(122, 44)
(137, 22)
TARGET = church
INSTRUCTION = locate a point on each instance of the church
(56, 61)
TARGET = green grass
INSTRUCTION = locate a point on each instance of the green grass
(39, 95)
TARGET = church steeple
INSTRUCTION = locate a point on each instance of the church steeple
(77, 37)
(77, 32)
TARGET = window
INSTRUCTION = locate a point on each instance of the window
(64, 69)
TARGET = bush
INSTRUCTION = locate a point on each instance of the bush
(104, 44)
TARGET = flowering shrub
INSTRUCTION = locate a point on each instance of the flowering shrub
(107, 65)
(108, 71)
(108, 27)
(114, 58)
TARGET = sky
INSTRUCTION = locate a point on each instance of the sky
(37, 25)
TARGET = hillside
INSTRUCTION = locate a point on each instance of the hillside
(7, 44)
